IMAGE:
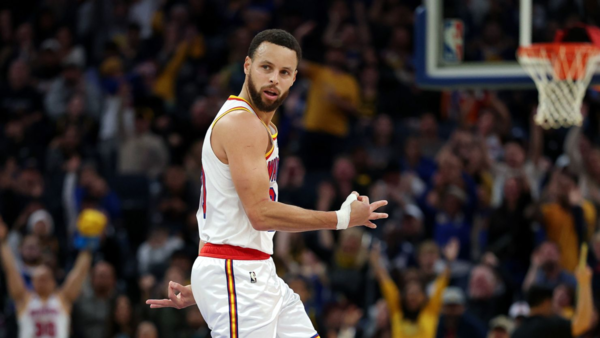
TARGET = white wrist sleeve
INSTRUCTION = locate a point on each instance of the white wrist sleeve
(343, 215)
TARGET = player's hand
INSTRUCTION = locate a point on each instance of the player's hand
(583, 274)
(362, 212)
(452, 249)
(179, 297)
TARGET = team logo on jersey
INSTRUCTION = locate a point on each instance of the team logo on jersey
(252, 277)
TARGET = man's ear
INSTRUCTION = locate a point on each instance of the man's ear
(247, 63)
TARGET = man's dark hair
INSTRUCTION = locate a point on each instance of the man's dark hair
(538, 294)
(277, 37)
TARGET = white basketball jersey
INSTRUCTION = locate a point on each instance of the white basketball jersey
(44, 319)
(221, 216)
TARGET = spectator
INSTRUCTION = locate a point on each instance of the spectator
(486, 298)
(415, 315)
(381, 148)
(429, 140)
(93, 192)
(142, 152)
(416, 162)
(511, 237)
(176, 198)
(123, 322)
(429, 261)
(76, 116)
(153, 255)
(349, 261)
(569, 220)
(563, 300)
(31, 256)
(518, 312)
(545, 269)
(491, 130)
(91, 312)
(454, 220)
(17, 97)
(41, 225)
(292, 182)
(333, 97)
(344, 182)
(542, 321)
(455, 321)
(72, 81)
(69, 52)
(517, 163)
(146, 330)
(402, 237)
(49, 64)
(500, 327)
(46, 303)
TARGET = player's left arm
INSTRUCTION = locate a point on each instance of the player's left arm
(71, 287)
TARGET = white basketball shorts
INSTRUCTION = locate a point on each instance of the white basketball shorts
(240, 295)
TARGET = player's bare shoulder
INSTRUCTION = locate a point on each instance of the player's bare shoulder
(239, 130)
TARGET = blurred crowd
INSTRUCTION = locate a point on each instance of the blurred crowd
(105, 103)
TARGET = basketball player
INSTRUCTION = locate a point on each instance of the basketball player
(44, 312)
(233, 280)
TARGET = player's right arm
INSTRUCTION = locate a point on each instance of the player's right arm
(242, 137)
(16, 284)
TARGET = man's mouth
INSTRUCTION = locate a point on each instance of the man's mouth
(271, 93)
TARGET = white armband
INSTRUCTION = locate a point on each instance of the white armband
(343, 215)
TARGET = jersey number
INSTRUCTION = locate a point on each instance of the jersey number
(44, 330)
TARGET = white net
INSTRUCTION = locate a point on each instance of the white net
(561, 72)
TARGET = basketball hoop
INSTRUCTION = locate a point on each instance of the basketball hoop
(561, 72)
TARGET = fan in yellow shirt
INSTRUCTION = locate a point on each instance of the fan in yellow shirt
(570, 219)
(332, 99)
(414, 315)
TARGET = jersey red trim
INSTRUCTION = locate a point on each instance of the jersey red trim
(232, 252)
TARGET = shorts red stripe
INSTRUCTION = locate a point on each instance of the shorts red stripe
(232, 299)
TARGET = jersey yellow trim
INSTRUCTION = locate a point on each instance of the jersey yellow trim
(227, 112)
(241, 98)
(270, 151)
(261, 121)
(274, 136)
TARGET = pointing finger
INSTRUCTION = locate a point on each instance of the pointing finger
(378, 215)
(378, 204)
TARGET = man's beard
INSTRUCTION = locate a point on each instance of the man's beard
(257, 101)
